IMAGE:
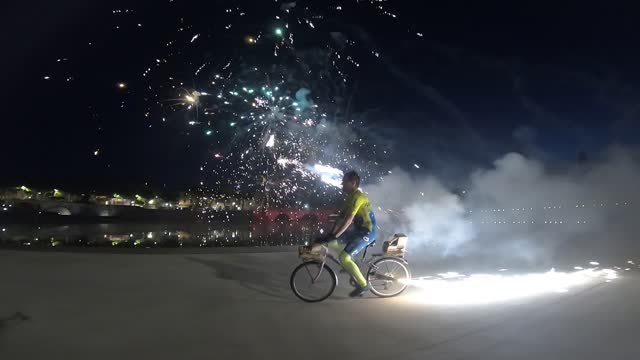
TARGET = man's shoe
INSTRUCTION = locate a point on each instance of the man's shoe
(359, 291)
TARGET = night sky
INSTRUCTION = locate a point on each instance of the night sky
(452, 86)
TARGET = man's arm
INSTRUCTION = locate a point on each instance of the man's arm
(335, 226)
(345, 225)
(349, 215)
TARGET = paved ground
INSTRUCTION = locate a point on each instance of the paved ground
(239, 305)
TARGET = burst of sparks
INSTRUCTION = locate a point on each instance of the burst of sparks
(271, 142)
(486, 288)
(260, 110)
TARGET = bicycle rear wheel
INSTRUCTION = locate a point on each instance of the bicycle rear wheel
(387, 276)
(311, 287)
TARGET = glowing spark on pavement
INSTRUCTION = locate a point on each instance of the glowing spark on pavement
(451, 289)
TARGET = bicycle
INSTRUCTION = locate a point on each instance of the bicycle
(385, 272)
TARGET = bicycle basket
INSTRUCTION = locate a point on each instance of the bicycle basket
(310, 252)
(395, 246)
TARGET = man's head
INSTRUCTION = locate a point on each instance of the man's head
(350, 182)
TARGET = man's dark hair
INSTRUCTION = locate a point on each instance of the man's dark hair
(352, 176)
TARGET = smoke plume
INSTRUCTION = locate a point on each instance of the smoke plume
(518, 210)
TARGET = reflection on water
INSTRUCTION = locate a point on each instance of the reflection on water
(129, 235)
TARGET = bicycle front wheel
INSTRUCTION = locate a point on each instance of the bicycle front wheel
(387, 277)
(312, 282)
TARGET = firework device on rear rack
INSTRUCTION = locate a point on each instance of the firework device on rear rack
(396, 246)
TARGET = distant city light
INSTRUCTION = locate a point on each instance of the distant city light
(121, 85)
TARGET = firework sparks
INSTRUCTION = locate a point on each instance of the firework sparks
(271, 142)
(328, 174)
(448, 289)
(258, 105)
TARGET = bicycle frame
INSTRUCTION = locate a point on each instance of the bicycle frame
(327, 254)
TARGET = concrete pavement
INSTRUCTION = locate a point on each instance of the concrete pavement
(239, 305)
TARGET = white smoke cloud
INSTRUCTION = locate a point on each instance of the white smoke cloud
(432, 216)
(518, 210)
(302, 99)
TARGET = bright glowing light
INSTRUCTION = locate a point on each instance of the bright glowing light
(272, 141)
(190, 98)
(278, 31)
(285, 161)
(209, 132)
(122, 85)
(328, 174)
(485, 288)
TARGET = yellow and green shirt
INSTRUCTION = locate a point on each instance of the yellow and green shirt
(358, 204)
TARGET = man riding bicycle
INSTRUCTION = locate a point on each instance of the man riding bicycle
(353, 231)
